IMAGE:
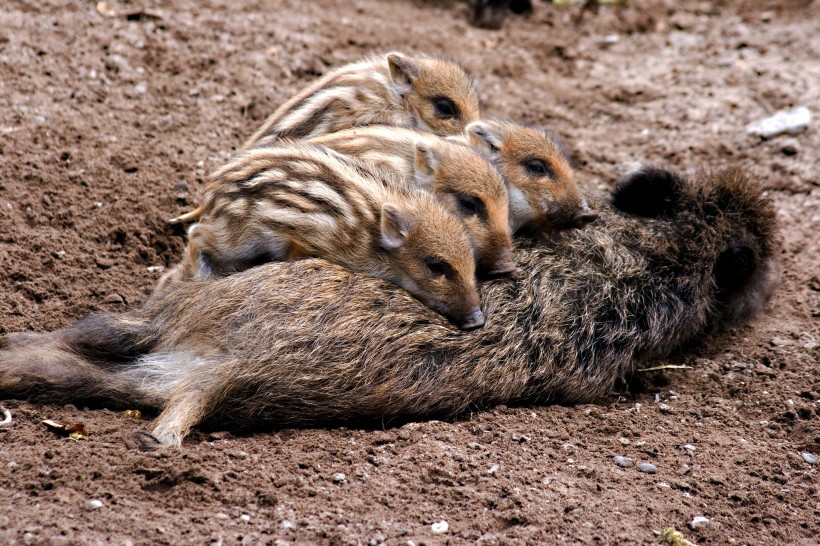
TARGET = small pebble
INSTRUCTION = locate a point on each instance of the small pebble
(339, 477)
(103, 263)
(440, 527)
(117, 63)
(245, 517)
(113, 298)
(690, 449)
(623, 462)
(624, 441)
(609, 39)
(809, 458)
(493, 469)
(665, 408)
(93, 504)
(785, 121)
(520, 438)
(221, 515)
(649, 468)
(699, 521)
(684, 469)
(780, 342)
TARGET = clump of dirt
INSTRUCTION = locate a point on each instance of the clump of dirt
(109, 123)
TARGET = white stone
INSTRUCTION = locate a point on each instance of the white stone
(699, 521)
(94, 504)
(440, 527)
(785, 121)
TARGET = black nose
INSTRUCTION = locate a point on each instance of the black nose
(474, 320)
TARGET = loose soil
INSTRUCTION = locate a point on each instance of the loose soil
(110, 124)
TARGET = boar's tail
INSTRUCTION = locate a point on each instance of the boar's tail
(91, 362)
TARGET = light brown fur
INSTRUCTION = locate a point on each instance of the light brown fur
(461, 178)
(304, 200)
(424, 92)
(544, 196)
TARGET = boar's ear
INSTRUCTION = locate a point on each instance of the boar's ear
(403, 72)
(485, 136)
(427, 160)
(395, 227)
(649, 192)
(733, 268)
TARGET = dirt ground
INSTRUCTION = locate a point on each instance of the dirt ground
(109, 125)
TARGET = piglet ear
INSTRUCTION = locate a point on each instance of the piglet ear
(485, 135)
(650, 192)
(427, 160)
(403, 72)
(395, 227)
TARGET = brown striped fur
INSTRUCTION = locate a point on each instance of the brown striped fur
(461, 178)
(543, 194)
(424, 92)
(303, 200)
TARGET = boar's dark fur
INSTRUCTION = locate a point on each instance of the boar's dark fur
(306, 342)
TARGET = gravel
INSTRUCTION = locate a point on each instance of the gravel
(648, 468)
(699, 521)
(623, 462)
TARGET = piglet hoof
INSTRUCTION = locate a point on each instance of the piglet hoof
(141, 441)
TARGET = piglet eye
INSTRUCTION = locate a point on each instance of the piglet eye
(538, 167)
(470, 205)
(445, 108)
(438, 267)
